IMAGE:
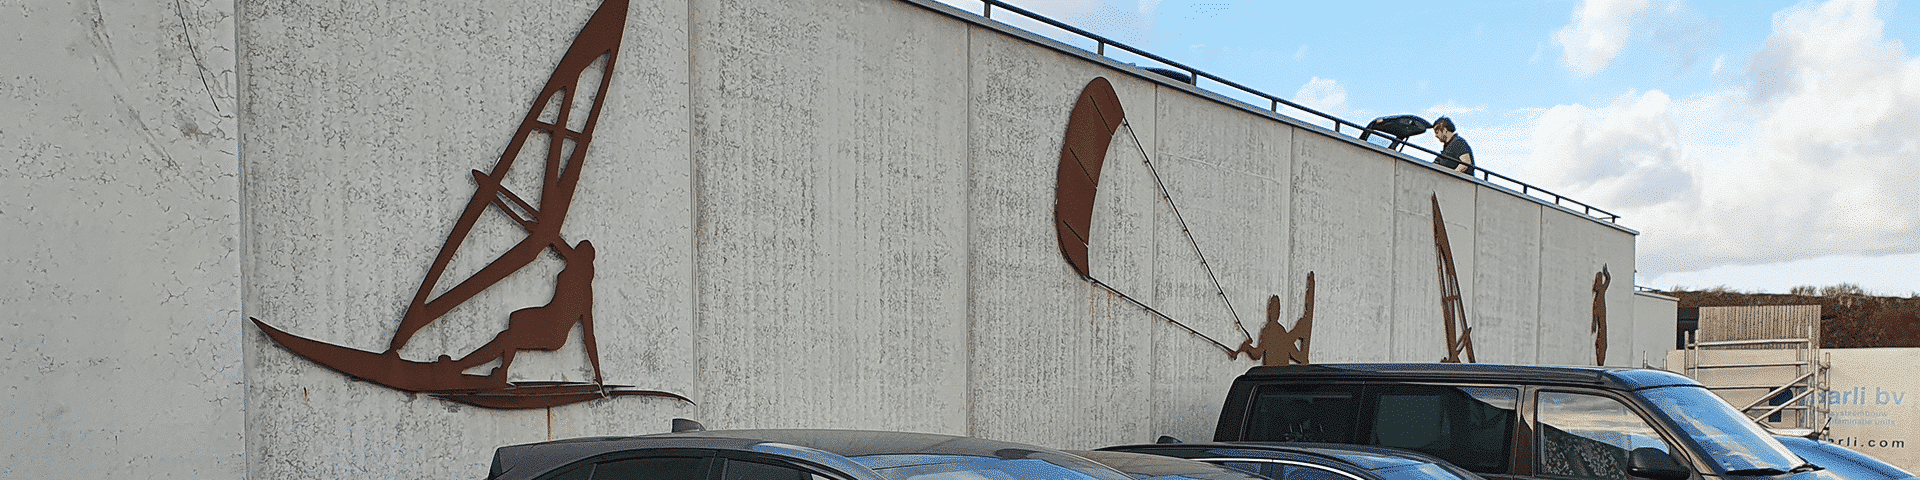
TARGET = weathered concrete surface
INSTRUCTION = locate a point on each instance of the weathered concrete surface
(1342, 232)
(830, 162)
(1229, 174)
(1656, 318)
(1048, 357)
(1505, 301)
(119, 221)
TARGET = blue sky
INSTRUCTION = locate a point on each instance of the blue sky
(1756, 145)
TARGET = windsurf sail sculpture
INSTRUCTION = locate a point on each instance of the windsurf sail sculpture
(555, 116)
(1453, 309)
(1096, 119)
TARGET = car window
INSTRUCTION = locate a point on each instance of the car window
(1589, 436)
(651, 468)
(745, 470)
(1471, 427)
(1304, 413)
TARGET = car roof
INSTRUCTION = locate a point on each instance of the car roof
(1148, 466)
(1358, 457)
(1607, 377)
(830, 448)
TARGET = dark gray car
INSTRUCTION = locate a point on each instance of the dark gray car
(789, 455)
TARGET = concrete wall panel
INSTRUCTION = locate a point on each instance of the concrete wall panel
(1343, 233)
(1045, 345)
(1654, 322)
(1570, 260)
(1228, 174)
(1121, 247)
(831, 170)
(1504, 305)
(119, 213)
(1419, 326)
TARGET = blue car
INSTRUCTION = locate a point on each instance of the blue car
(1842, 461)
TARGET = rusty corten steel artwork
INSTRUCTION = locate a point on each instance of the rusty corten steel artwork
(542, 328)
(1600, 282)
(1453, 309)
(1279, 346)
(1090, 129)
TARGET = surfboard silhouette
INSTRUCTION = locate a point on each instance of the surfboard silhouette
(568, 132)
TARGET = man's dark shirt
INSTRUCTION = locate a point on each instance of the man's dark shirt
(1450, 154)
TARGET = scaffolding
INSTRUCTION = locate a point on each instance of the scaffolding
(1809, 366)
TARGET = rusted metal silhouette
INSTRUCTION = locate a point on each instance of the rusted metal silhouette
(1600, 282)
(546, 327)
(1453, 308)
(543, 328)
(1279, 346)
(1090, 129)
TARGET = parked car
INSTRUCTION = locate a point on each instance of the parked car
(1842, 461)
(1143, 466)
(1513, 421)
(789, 455)
(1310, 461)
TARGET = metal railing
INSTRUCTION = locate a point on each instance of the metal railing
(1811, 381)
(1274, 103)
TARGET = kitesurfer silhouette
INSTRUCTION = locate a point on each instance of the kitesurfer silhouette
(545, 327)
(1278, 346)
(1600, 282)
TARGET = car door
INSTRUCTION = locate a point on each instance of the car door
(1589, 434)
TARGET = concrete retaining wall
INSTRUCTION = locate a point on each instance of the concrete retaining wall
(120, 350)
(832, 213)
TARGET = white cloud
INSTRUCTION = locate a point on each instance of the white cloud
(1599, 31)
(1453, 108)
(1300, 54)
(1811, 156)
(1322, 94)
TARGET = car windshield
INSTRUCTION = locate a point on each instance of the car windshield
(1731, 441)
(969, 467)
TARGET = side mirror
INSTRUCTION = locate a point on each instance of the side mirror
(1648, 462)
(685, 425)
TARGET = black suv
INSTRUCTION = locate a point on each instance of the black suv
(1509, 421)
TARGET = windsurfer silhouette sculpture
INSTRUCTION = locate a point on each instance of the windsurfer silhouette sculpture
(542, 328)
